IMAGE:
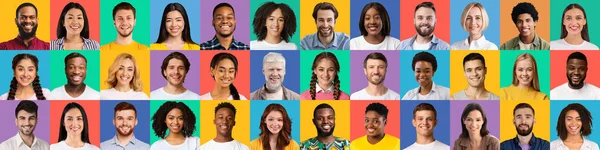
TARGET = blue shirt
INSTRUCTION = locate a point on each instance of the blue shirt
(436, 44)
(534, 144)
(215, 45)
(134, 144)
(341, 41)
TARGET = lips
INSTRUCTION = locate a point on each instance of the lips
(74, 129)
(575, 78)
(372, 28)
(225, 27)
(274, 79)
(326, 127)
(76, 78)
(176, 29)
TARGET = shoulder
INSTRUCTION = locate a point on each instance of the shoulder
(392, 39)
(157, 46)
(206, 96)
(305, 95)
(91, 147)
(491, 140)
(589, 45)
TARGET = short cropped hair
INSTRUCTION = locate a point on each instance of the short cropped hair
(425, 56)
(484, 15)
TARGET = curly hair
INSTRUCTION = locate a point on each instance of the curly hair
(262, 14)
(524, 8)
(427, 57)
(284, 136)
(336, 80)
(158, 120)
(37, 87)
(213, 65)
(584, 114)
(135, 83)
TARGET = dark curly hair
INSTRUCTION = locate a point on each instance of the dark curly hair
(158, 120)
(336, 80)
(262, 14)
(584, 114)
(37, 87)
(427, 57)
(524, 8)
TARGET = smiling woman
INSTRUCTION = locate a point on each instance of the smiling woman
(274, 24)
(179, 120)
(25, 84)
(73, 31)
(275, 122)
(525, 84)
(73, 132)
(124, 81)
(174, 31)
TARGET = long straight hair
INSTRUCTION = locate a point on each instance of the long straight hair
(185, 34)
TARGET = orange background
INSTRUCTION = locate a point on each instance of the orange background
(442, 12)
(508, 29)
(92, 110)
(92, 10)
(558, 73)
(242, 79)
(357, 128)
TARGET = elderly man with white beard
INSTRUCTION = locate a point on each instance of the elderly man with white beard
(125, 120)
(274, 71)
(375, 68)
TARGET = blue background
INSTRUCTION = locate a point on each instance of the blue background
(107, 114)
(193, 12)
(441, 132)
(292, 70)
(557, 106)
(258, 107)
(407, 75)
(492, 33)
(392, 7)
(43, 68)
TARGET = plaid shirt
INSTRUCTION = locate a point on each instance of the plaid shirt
(215, 45)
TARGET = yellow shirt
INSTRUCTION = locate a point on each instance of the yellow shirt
(132, 46)
(388, 142)
(515, 93)
(186, 46)
(256, 144)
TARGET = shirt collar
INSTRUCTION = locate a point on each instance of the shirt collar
(20, 140)
(587, 144)
(334, 42)
(20, 40)
(433, 88)
(477, 42)
(319, 89)
(215, 42)
(532, 141)
(115, 140)
(264, 91)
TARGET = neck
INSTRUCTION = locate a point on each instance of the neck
(24, 90)
(27, 139)
(74, 141)
(423, 39)
(219, 91)
(223, 138)
(326, 139)
(476, 92)
(325, 87)
(374, 39)
(175, 136)
(174, 89)
(225, 41)
(273, 39)
(525, 139)
(475, 138)
(122, 88)
(527, 39)
(73, 38)
(124, 139)
(124, 40)
(174, 40)
(375, 139)
(326, 40)
(574, 39)
(376, 90)
(523, 86)
(424, 139)
(425, 89)
(474, 37)
(574, 138)
(73, 89)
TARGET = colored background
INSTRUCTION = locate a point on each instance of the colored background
(491, 33)
(308, 24)
(191, 79)
(557, 106)
(292, 75)
(441, 132)
(59, 78)
(242, 121)
(342, 118)
(242, 79)
(294, 5)
(242, 27)
(43, 68)
(390, 5)
(357, 122)
(542, 119)
(442, 14)
(558, 61)
(140, 131)
(357, 72)
(140, 31)
(10, 29)
(142, 59)
(458, 81)
(492, 112)
(193, 13)
(92, 11)
(155, 104)
(257, 109)
(556, 13)
(93, 115)
(507, 62)
(509, 29)
(42, 129)
(306, 69)
(407, 78)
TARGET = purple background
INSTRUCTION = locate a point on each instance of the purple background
(192, 79)
(242, 18)
(492, 112)
(357, 74)
(9, 128)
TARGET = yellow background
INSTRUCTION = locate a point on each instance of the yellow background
(308, 24)
(142, 59)
(541, 128)
(241, 130)
(10, 30)
(342, 118)
(458, 81)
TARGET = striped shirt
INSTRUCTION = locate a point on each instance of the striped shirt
(215, 45)
(88, 44)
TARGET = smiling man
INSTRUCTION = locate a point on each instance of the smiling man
(424, 120)
(27, 21)
(324, 121)
(224, 24)
(525, 18)
(125, 120)
(224, 122)
(424, 20)
(576, 88)
(174, 69)
(524, 119)
(26, 118)
(325, 15)
(75, 89)
(124, 21)
(375, 68)
(274, 71)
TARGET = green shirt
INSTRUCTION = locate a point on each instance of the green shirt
(537, 44)
(314, 144)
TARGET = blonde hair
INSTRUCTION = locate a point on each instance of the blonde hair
(136, 82)
(526, 56)
(484, 15)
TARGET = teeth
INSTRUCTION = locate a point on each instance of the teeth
(326, 127)
(225, 27)
(370, 130)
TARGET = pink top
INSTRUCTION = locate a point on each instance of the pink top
(323, 96)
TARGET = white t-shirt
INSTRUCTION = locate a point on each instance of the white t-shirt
(231, 145)
(417, 46)
(45, 91)
(363, 95)
(63, 146)
(263, 45)
(113, 94)
(208, 97)
(563, 45)
(564, 92)
(479, 44)
(191, 143)
(162, 95)
(436, 145)
(60, 93)
(389, 43)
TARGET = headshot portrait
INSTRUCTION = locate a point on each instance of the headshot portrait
(424, 65)
(524, 119)
(175, 31)
(26, 123)
(175, 124)
(474, 20)
(274, 25)
(225, 121)
(574, 31)
(375, 69)
(27, 20)
(375, 28)
(525, 17)
(124, 17)
(475, 72)
(425, 120)
(224, 23)
(275, 121)
(73, 30)
(175, 69)
(525, 83)
(325, 16)
(425, 125)
(124, 80)
(325, 79)
(75, 66)
(376, 119)
(274, 71)
(224, 70)
(576, 70)
(475, 124)
(324, 120)
(573, 126)
(125, 120)
(74, 131)
(25, 83)
(425, 20)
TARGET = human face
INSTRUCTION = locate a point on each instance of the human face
(576, 72)
(425, 21)
(374, 123)
(26, 122)
(25, 72)
(274, 73)
(74, 122)
(224, 121)
(125, 73)
(473, 122)
(325, 72)
(372, 22)
(175, 120)
(526, 25)
(274, 122)
(424, 121)
(324, 121)
(524, 121)
(125, 121)
(325, 22)
(375, 71)
(74, 22)
(573, 122)
(76, 70)
(274, 23)
(524, 72)
(224, 21)
(174, 23)
(574, 21)
(124, 22)
(175, 72)
(474, 21)
(475, 72)
(224, 74)
(423, 72)
(27, 22)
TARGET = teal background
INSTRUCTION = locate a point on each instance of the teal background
(542, 58)
(141, 30)
(307, 58)
(57, 65)
(556, 11)
(155, 104)
(294, 4)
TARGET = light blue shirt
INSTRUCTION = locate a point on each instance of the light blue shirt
(341, 41)
(437, 93)
(436, 44)
(134, 144)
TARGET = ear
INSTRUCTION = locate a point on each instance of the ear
(365, 71)
(314, 121)
(435, 123)
(164, 72)
(136, 122)
(414, 122)
(114, 122)
(16, 120)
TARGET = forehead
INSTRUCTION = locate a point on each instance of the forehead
(173, 14)
(224, 111)
(474, 114)
(372, 11)
(524, 63)
(223, 10)
(524, 16)
(574, 11)
(325, 13)
(175, 61)
(524, 111)
(74, 11)
(25, 63)
(324, 111)
(572, 113)
(425, 11)
(576, 62)
(27, 10)
(423, 64)
(129, 112)
(473, 63)
(73, 112)
(325, 63)
(372, 114)
(273, 65)
(226, 63)
(424, 113)
(126, 62)
(375, 62)
(276, 12)
(274, 113)
(25, 113)
(475, 11)
(124, 12)
(76, 60)
(174, 112)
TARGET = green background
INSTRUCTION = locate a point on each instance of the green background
(141, 30)
(57, 65)
(193, 105)
(542, 58)
(294, 4)
(556, 10)
(307, 58)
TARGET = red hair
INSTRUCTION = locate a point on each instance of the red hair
(284, 136)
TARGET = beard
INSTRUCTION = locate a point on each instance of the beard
(126, 34)
(322, 133)
(576, 86)
(524, 132)
(422, 33)
(382, 78)
(274, 87)
(24, 34)
(325, 34)
(125, 133)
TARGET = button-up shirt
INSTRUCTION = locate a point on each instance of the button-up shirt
(114, 144)
(479, 44)
(215, 45)
(341, 41)
(18, 44)
(534, 144)
(436, 44)
(437, 93)
(59, 44)
(16, 143)
(537, 44)
(261, 94)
